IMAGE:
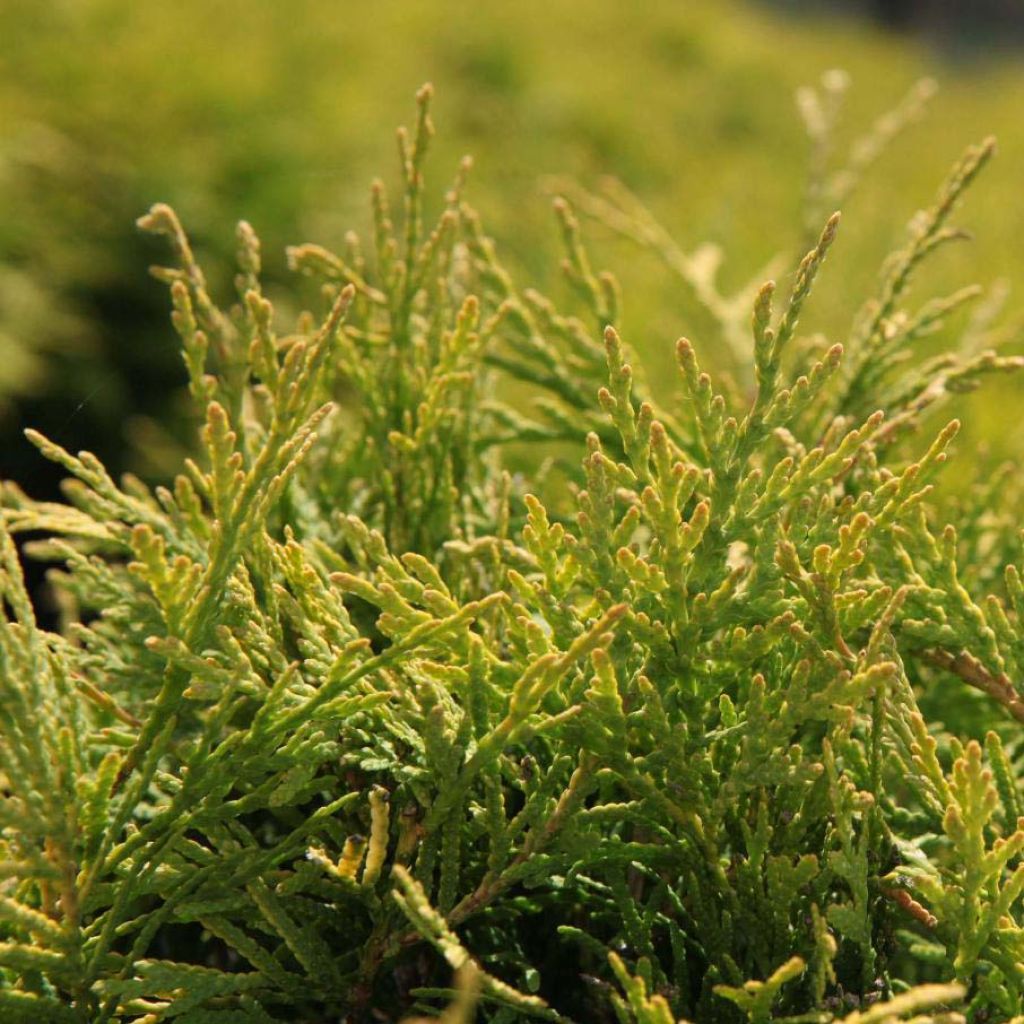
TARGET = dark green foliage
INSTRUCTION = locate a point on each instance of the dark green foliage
(351, 706)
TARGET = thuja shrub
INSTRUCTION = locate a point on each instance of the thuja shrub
(352, 723)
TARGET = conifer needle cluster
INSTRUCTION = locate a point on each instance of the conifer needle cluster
(709, 715)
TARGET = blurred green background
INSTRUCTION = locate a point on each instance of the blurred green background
(283, 112)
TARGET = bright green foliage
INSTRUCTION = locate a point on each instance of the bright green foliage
(283, 126)
(755, 998)
(350, 705)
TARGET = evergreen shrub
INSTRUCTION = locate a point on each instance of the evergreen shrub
(703, 712)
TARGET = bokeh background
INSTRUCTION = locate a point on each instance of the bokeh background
(282, 113)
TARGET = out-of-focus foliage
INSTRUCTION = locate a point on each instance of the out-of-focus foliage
(271, 111)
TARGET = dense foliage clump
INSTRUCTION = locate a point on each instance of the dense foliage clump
(719, 726)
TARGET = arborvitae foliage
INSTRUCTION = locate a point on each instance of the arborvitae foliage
(349, 706)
